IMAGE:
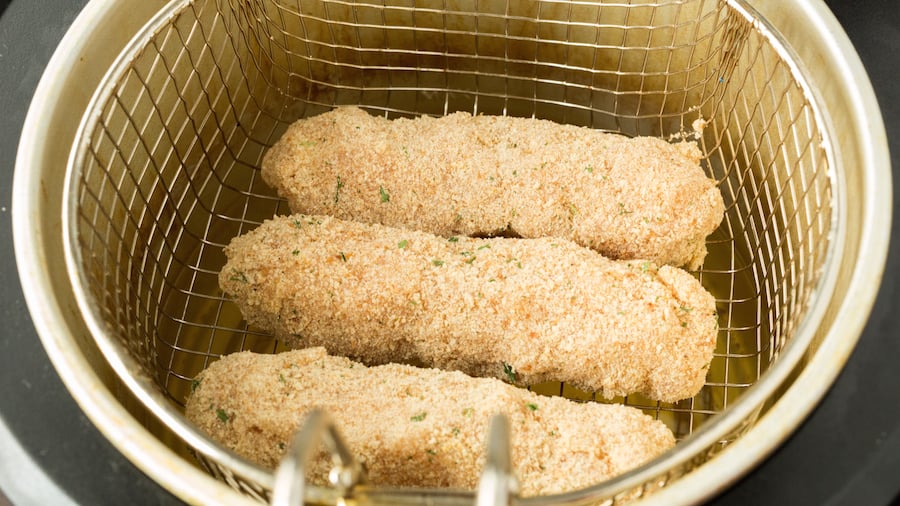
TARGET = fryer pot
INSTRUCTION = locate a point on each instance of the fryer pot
(812, 380)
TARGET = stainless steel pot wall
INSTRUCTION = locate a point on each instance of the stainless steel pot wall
(168, 108)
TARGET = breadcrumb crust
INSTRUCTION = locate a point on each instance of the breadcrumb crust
(417, 427)
(528, 310)
(627, 198)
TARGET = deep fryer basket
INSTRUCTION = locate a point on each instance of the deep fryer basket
(165, 170)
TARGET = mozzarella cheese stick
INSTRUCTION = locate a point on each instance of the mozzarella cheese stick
(627, 198)
(417, 427)
(529, 310)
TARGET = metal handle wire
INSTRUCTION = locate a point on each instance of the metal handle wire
(497, 485)
(290, 477)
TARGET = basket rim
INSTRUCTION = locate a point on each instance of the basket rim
(73, 368)
(819, 373)
(48, 311)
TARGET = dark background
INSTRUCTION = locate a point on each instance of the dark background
(848, 452)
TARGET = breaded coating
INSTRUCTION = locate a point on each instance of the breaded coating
(627, 198)
(530, 310)
(417, 427)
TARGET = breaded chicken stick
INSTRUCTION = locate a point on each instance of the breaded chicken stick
(417, 427)
(530, 310)
(639, 198)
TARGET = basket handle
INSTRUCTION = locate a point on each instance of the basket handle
(497, 485)
(290, 482)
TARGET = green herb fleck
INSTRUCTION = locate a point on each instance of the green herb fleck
(195, 384)
(431, 452)
(552, 432)
(509, 372)
(337, 189)
(468, 411)
(645, 266)
(684, 324)
(308, 144)
(281, 445)
(384, 195)
(589, 169)
(686, 309)
(453, 239)
(222, 415)
(455, 431)
(532, 406)
(343, 256)
(402, 244)
(281, 377)
(295, 252)
(622, 210)
(484, 246)
(238, 276)
(298, 223)
(437, 262)
(418, 418)
(458, 218)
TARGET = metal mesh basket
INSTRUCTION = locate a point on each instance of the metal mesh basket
(166, 169)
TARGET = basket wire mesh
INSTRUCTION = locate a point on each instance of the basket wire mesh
(167, 166)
